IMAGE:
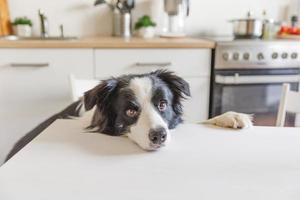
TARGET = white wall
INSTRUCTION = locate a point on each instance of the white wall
(81, 18)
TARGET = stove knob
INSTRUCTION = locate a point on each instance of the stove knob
(246, 56)
(225, 56)
(284, 55)
(294, 55)
(235, 56)
(260, 56)
(274, 55)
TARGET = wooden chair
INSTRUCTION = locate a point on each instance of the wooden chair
(79, 86)
(289, 102)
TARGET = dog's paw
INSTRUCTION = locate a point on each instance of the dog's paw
(232, 120)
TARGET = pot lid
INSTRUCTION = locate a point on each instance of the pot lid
(249, 18)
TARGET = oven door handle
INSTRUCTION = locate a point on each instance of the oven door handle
(256, 79)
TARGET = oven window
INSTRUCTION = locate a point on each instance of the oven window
(262, 100)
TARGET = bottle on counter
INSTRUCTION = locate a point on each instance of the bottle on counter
(270, 27)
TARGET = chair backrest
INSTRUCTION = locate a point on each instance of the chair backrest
(79, 86)
(289, 102)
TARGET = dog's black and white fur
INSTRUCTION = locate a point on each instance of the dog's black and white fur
(144, 107)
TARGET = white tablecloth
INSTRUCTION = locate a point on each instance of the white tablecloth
(201, 162)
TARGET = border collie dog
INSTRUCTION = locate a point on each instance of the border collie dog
(145, 107)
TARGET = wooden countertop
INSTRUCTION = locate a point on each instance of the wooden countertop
(111, 42)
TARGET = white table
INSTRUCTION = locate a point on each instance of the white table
(201, 162)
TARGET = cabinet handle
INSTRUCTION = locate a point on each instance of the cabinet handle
(29, 64)
(162, 64)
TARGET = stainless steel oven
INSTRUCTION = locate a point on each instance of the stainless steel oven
(248, 76)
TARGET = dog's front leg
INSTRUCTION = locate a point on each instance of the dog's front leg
(231, 120)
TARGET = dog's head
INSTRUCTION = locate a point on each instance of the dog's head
(143, 106)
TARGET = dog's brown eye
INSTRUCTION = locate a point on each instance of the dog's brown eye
(131, 113)
(162, 105)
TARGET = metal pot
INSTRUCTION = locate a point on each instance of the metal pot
(248, 28)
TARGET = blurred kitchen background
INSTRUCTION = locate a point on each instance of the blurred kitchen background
(236, 54)
(82, 18)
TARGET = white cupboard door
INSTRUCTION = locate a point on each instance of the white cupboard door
(197, 106)
(185, 62)
(34, 85)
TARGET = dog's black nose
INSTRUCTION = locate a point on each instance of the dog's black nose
(158, 135)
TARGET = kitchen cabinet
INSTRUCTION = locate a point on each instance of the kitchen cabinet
(185, 62)
(34, 85)
(192, 64)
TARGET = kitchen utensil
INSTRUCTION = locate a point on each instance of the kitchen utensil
(122, 23)
(175, 15)
(171, 7)
(111, 4)
(122, 19)
(125, 6)
(5, 25)
(98, 2)
(292, 9)
(247, 28)
(44, 23)
(270, 29)
(129, 4)
(121, 6)
(294, 21)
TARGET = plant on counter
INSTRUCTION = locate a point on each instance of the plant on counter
(145, 27)
(22, 21)
(22, 26)
(144, 22)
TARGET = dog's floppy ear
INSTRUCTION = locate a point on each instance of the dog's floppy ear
(175, 83)
(100, 94)
(179, 87)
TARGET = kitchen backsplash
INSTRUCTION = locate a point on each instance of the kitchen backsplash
(81, 18)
